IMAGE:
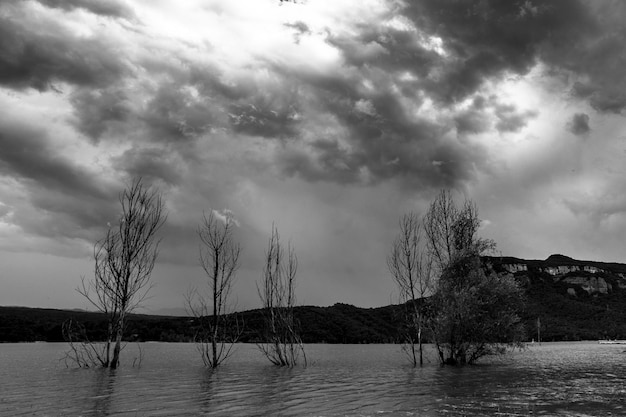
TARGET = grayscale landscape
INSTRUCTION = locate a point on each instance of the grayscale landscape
(312, 208)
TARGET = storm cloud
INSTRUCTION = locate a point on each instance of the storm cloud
(330, 118)
(579, 125)
(37, 52)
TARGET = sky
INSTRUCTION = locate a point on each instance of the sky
(329, 119)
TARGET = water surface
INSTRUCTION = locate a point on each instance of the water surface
(341, 380)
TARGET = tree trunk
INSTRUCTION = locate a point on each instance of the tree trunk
(118, 344)
(419, 341)
(109, 339)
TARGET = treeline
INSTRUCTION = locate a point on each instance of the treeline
(22, 324)
(341, 323)
(562, 318)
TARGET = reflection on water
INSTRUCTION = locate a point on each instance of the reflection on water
(357, 380)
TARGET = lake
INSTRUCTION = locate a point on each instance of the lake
(341, 380)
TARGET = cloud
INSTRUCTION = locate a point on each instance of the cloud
(110, 8)
(226, 216)
(511, 120)
(55, 196)
(36, 52)
(341, 114)
(489, 39)
(579, 124)
(275, 119)
(27, 154)
(97, 109)
(152, 163)
(473, 120)
(300, 29)
(174, 113)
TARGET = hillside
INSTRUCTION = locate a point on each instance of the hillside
(573, 300)
(340, 323)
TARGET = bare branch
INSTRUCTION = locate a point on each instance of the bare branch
(282, 345)
(124, 260)
(218, 326)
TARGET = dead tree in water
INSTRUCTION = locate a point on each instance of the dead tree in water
(283, 345)
(219, 327)
(410, 267)
(124, 261)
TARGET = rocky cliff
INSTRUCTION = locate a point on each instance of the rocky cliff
(582, 276)
(573, 299)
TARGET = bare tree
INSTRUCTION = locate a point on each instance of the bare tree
(282, 344)
(219, 327)
(411, 269)
(438, 223)
(124, 261)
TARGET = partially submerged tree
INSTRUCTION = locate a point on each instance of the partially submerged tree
(124, 261)
(218, 325)
(475, 310)
(282, 344)
(411, 269)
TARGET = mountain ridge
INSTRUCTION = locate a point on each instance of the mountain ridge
(571, 299)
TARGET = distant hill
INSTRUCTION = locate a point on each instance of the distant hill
(341, 323)
(573, 300)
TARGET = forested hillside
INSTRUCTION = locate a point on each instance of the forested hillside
(573, 300)
(340, 323)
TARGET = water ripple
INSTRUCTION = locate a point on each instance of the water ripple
(553, 379)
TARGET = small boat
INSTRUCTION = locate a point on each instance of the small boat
(612, 342)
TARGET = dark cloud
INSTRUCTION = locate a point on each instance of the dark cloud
(300, 29)
(175, 113)
(26, 154)
(475, 119)
(111, 8)
(386, 47)
(480, 40)
(65, 199)
(471, 121)
(273, 118)
(369, 135)
(444, 51)
(487, 39)
(211, 82)
(602, 97)
(596, 57)
(57, 215)
(97, 109)
(325, 160)
(150, 163)
(579, 125)
(39, 56)
(608, 100)
(510, 119)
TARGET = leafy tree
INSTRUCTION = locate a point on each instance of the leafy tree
(474, 310)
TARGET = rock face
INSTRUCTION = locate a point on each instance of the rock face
(517, 267)
(590, 284)
(589, 276)
(565, 269)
